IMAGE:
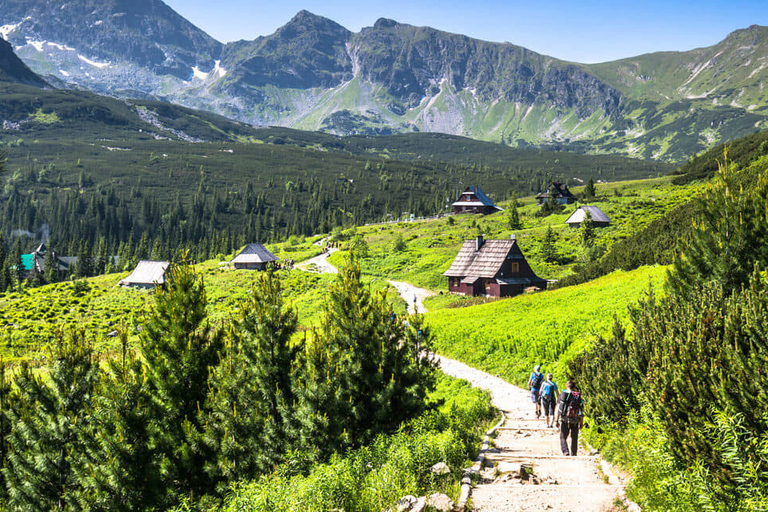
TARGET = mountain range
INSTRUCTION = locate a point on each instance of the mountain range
(314, 74)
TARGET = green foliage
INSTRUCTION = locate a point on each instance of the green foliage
(49, 425)
(373, 478)
(696, 358)
(587, 231)
(179, 346)
(362, 371)
(727, 239)
(549, 246)
(513, 216)
(120, 470)
(399, 244)
(589, 191)
(509, 336)
(252, 401)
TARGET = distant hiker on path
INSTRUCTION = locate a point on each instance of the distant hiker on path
(570, 417)
(534, 384)
(549, 395)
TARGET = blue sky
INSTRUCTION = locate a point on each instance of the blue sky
(578, 30)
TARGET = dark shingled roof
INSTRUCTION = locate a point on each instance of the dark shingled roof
(486, 262)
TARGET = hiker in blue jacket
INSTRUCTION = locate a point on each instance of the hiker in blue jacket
(549, 395)
(534, 384)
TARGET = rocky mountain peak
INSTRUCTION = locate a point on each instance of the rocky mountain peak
(385, 23)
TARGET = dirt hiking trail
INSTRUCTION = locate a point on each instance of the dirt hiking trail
(558, 483)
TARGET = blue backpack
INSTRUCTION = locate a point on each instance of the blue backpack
(548, 391)
(536, 379)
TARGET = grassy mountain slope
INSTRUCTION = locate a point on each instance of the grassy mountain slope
(728, 73)
(314, 74)
(12, 69)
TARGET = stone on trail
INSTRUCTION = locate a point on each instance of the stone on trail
(441, 468)
(440, 502)
(508, 467)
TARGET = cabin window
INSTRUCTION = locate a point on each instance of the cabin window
(514, 267)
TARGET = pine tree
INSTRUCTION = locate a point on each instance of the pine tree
(363, 374)
(727, 241)
(549, 246)
(589, 190)
(8, 406)
(267, 327)
(513, 216)
(49, 426)
(51, 267)
(254, 390)
(119, 470)
(587, 230)
(179, 347)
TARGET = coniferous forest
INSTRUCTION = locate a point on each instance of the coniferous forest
(200, 406)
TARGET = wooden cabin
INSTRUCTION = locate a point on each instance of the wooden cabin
(561, 193)
(599, 219)
(491, 268)
(253, 257)
(474, 200)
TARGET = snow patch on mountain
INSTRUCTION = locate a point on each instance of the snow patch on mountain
(216, 72)
(37, 45)
(93, 63)
(5, 30)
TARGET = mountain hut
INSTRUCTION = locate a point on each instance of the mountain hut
(599, 219)
(147, 274)
(474, 200)
(253, 257)
(491, 268)
(561, 192)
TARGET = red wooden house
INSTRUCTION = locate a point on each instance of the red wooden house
(474, 200)
(493, 268)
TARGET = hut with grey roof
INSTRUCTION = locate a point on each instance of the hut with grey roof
(599, 219)
(474, 200)
(147, 274)
(492, 268)
(253, 257)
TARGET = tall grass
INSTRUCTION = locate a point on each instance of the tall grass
(507, 337)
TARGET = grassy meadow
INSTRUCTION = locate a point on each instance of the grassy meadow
(508, 337)
(430, 246)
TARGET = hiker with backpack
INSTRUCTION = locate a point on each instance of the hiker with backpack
(549, 400)
(534, 384)
(570, 417)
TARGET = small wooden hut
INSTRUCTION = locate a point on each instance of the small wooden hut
(474, 200)
(493, 268)
(561, 194)
(253, 257)
(599, 219)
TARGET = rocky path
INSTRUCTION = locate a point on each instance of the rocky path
(319, 264)
(413, 296)
(558, 483)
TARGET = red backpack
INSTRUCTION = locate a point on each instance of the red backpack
(572, 406)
